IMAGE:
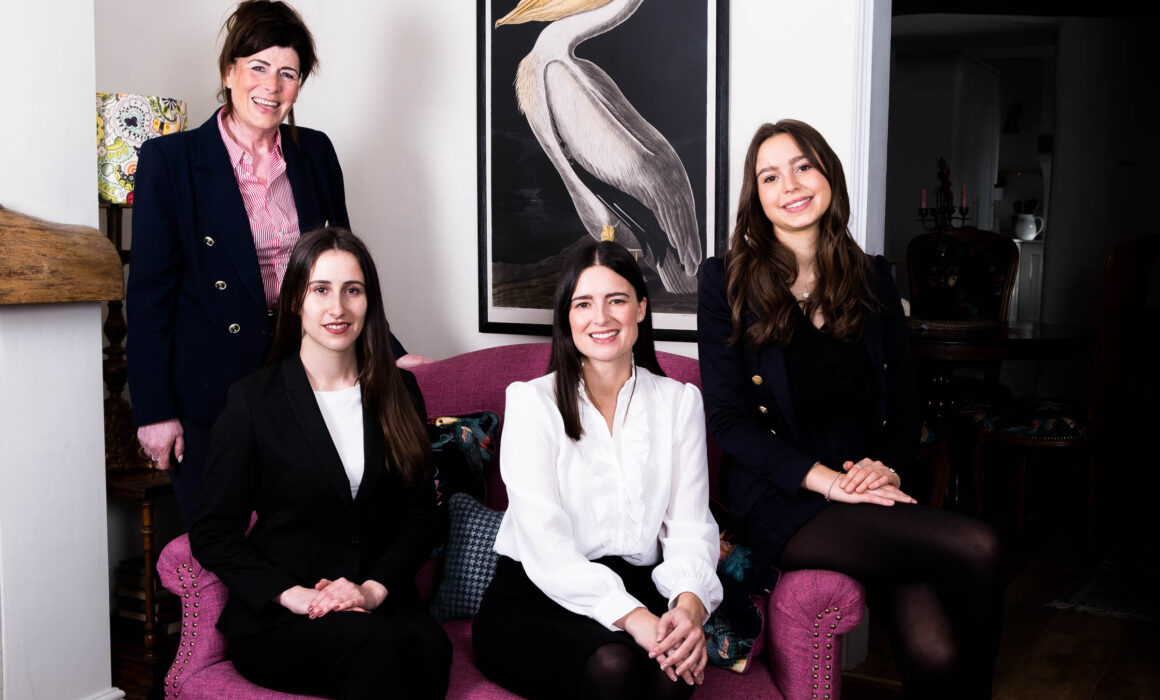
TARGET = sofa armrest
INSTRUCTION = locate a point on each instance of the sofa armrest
(808, 610)
(202, 597)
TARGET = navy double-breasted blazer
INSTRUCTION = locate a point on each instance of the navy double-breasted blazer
(747, 395)
(196, 310)
(271, 453)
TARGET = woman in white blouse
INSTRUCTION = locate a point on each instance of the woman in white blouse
(608, 549)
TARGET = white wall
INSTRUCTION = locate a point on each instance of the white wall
(1105, 145)
(54, 616)
(396, 93)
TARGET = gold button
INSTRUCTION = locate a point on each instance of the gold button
(270, 313)
(220, 284)
(884, 366)
(757, 379)
(762, 409)
(884, 423)
(234, 328)
(208, 241)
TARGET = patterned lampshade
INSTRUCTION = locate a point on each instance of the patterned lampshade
(124, 122)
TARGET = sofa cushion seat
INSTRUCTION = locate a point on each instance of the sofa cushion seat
(467, 681)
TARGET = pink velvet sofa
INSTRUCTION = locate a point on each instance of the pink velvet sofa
(806, 613)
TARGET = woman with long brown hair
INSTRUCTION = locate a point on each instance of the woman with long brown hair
(809, 388)
(327, 447)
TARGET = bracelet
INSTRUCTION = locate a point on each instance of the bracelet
(836, 477)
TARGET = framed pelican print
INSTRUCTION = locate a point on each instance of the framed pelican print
(601, 119)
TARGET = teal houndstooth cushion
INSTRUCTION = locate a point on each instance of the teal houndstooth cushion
(469, 560)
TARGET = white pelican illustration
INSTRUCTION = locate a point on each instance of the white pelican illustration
(624, 177)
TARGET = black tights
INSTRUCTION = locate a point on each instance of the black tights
(932, 574)
(624, 672)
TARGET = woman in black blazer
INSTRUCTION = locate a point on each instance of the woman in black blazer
(327, 447)
(200, 302)
(809, 388)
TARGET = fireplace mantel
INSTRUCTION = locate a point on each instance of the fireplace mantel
(43, 262)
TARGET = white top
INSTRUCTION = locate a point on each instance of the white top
(641, 492)
(342, 411)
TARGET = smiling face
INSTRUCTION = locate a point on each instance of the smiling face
(335, 306)
(604, 315)
(263, 88)
(794, 194)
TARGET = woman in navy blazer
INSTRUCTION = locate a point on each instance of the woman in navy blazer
(198, 310)
(809, 388)
(328, 448)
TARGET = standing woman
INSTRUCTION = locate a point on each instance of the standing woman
(608, 550)
(217, 210)
(327, 446)
(810, 390)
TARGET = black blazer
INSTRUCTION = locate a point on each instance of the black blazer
(196, 309)
(272, 454)
(748, 403)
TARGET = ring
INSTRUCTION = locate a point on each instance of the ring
(856, 466)
(877, 490)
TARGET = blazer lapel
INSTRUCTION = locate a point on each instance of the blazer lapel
(298, 170)
(218, 187)
(313, 426)
(872, 339)
(375, 452)
(772, 363)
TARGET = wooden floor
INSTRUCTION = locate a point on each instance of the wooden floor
(1045, 653)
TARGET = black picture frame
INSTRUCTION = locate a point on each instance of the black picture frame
(650, 56)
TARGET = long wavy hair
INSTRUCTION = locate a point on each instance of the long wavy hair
(566, 360)
(760, 270)
(255, 26)
(383, 391)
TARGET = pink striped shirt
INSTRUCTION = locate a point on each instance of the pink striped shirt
(270, 208)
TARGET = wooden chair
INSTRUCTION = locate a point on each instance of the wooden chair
(1119, 416)
(961, 281)
(961, 274)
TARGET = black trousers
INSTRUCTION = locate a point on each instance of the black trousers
(401, 654)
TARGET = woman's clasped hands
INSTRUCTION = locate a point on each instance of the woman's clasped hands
(333, 596)
(870, 481)
(676, 639)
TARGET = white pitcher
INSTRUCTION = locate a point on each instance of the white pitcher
(1028, 226)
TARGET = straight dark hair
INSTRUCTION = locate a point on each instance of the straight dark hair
(760, 269)
(566, 360)
(383, 391)
(255, 26)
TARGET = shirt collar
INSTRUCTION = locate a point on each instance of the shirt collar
(236, 152)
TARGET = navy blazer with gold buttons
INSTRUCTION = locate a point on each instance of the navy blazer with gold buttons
(747, 396)
(197, 318)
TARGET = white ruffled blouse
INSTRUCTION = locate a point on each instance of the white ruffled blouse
(640, 492)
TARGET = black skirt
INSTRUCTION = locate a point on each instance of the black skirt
(532, 646)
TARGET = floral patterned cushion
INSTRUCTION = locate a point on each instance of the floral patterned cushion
(736, 630)
(462, 449)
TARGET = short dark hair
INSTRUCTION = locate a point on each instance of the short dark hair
(255, 26)
(565, 358)
(384, 393)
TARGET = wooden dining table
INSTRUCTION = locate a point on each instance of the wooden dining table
(976, 340)
(940, 347)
